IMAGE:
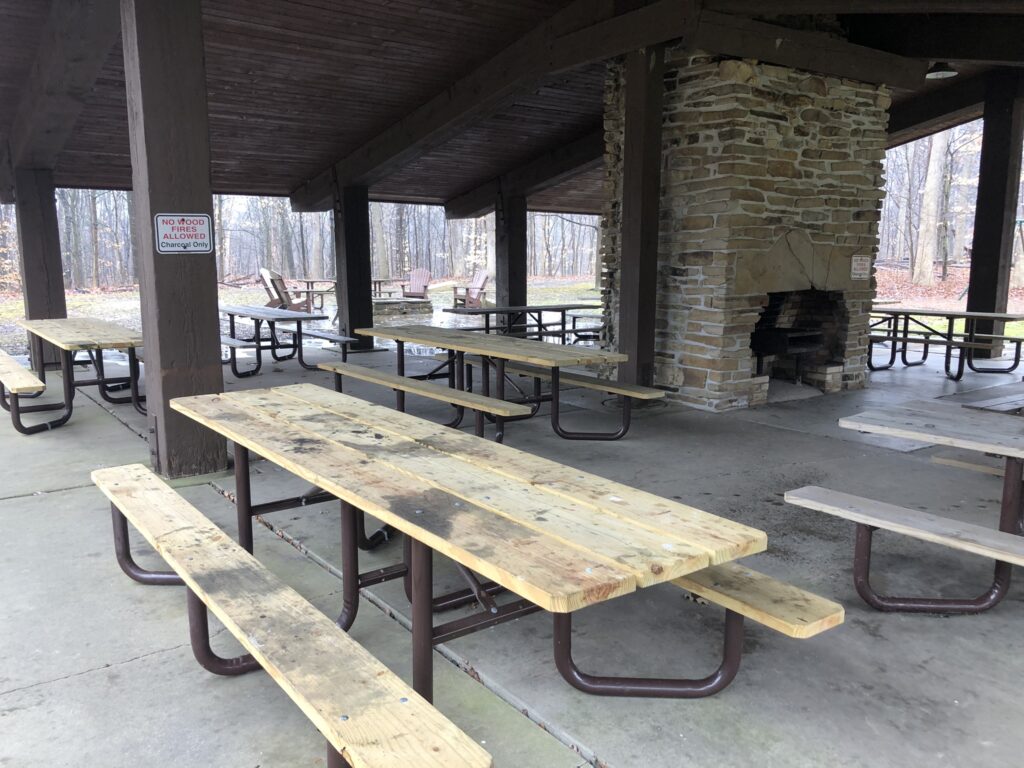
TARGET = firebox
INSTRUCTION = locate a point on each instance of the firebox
(800, 336)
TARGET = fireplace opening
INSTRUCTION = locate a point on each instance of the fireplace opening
(800, 337)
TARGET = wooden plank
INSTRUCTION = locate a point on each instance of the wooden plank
(756, 7)
(75, 333)
(526, 561)
(940, 109)
(971, 461)
(721, 539)
(1008, 317)
(504, 347)
(168, 130)
(359, 705)
(16, 378)
(270, 313)
(943, 424)
(780, 606)
(426, 389)
(650, 556)
(925, 526)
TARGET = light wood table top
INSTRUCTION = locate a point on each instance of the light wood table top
(931, 421)
(75, 333)
(270, 314)
(557, 536)
(1006, 317)
(503, 347)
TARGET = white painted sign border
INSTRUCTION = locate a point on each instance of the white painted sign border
(202, 242)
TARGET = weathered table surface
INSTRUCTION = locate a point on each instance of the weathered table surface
(496, 346)
(1006, 317)
(557, 536)
(270, 314)
(74, 333)
(931, 421)
(517, 310)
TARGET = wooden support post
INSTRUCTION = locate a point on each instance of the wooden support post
(165, 78)
(352, 251)
(641, 199)
(42, 271)
(510, 250)
(996, 206)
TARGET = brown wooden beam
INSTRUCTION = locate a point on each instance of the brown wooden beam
(352, 255)
(510, 266)
(992, 39)
(640, 205)
(796, 7)
(810, 51)
(996, 207)
(76, 41)
(544, 171)
(584, 32)
(165, 79)
(42, 270)
(6, 174)
(936, 110)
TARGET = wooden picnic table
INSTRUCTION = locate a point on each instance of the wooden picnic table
(497, 350)
(527, 319)
(559, 538)
(279, 351)
(900, 326)
(76, 334)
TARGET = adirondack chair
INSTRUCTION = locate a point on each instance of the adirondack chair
(416, 286)
(471, 295)
(281, 297)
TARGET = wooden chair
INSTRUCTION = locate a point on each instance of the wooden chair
(281, 297)
(416, 286)
(473, 294)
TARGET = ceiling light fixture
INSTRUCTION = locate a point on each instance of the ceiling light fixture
(940, 70)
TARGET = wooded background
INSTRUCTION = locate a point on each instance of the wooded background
(926, 228)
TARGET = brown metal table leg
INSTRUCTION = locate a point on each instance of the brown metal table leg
(199, 635)
(650, 687)
(422, 568)
(243, 497)
(1011, 520)
(123, 552)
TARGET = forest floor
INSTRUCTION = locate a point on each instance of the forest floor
(122, 305)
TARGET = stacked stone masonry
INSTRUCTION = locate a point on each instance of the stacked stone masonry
(771, 181)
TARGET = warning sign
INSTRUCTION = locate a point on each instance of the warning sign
(183, 233)
(860, 268)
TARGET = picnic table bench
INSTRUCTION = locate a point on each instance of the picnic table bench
(944, 424)
(68, 336)
(901, 327)
(367, 714)
(279, 351)
(457, 397)
(500, 351)
(557, 538)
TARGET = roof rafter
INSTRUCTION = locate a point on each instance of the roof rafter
(936, 110)
(796, 7)
(544, 171)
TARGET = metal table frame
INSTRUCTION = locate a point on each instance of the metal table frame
(271, 343)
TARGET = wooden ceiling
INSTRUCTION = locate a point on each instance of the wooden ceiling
(296, 85)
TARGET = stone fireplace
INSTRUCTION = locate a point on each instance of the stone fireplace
(771, 190)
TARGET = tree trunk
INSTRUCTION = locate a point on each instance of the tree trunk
(94, 235)
(931, 206)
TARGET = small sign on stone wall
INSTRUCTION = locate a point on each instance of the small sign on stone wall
(860, 268)
(183, 233)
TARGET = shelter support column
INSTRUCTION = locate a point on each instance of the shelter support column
(352, 251)
(641, 199)
(996, 206)
(510, 250)
(165, 78)
(42, 270)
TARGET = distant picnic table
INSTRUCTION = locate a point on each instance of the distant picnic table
(68, 336)
(526, 320)
(901, 326)
(279, 350)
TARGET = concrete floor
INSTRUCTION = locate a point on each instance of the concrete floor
(96, 670)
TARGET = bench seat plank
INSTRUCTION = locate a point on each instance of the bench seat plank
(780, 606)
(16, 378)
(925, 526)
(719, 538)
(362, 708)
(228, 341)
(314, 333)
(426, 389)
(936, 341)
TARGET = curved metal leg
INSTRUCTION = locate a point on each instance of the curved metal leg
(892, 355)
(334, 758)
(275, 344)
(675, 688)
(375, 539)
(16, 408)
(138, 401)
(199, 635)
(627, 403)
(122, 549)
(349, 566)
(1011, 520)
(1009, 369)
